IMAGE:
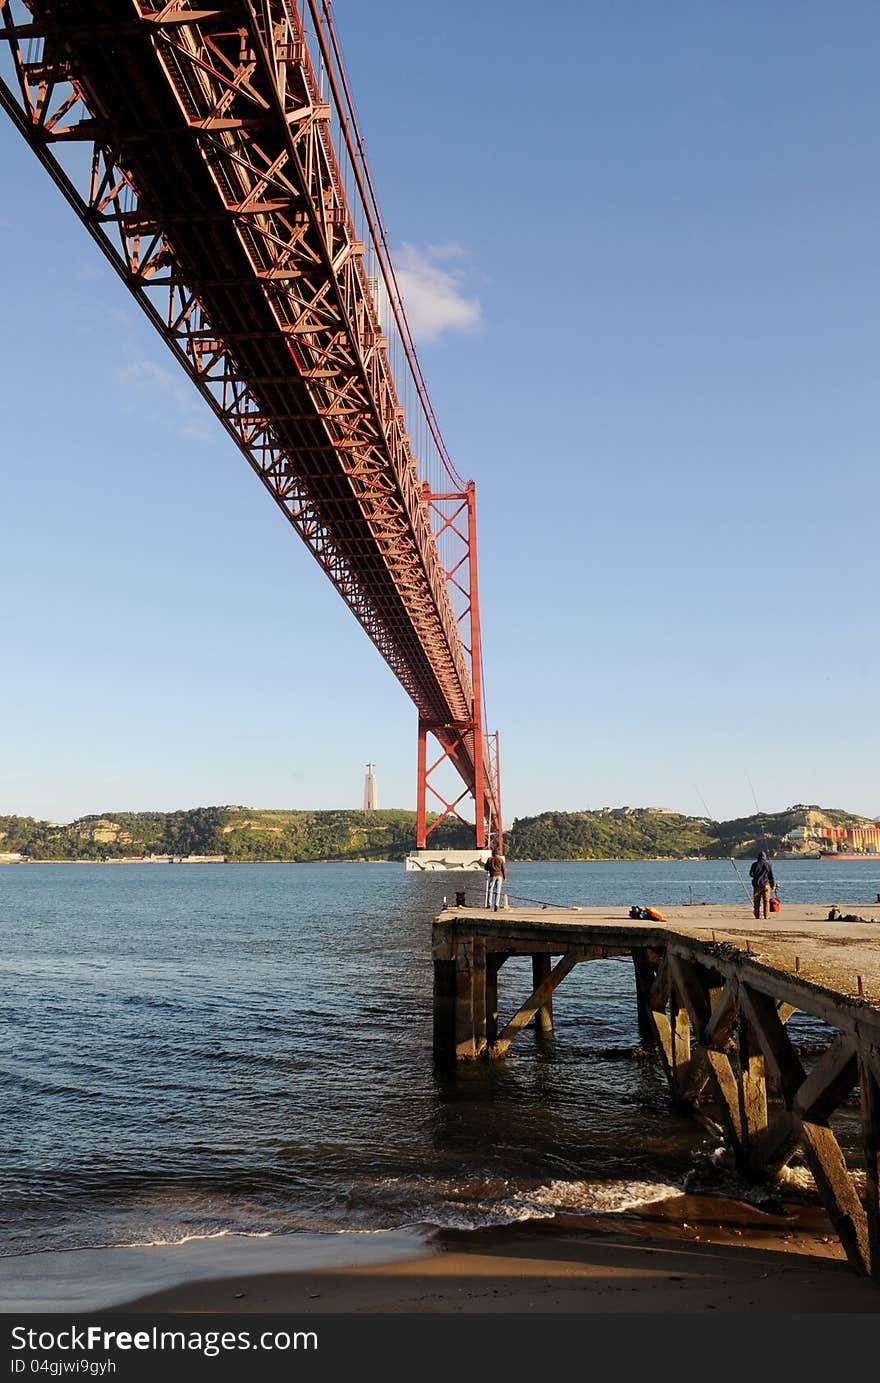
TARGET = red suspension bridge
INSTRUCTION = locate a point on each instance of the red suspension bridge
(212, 152)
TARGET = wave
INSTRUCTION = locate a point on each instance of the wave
(196, 1238)
(481, 1205)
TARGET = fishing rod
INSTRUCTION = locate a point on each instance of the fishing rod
(758, 810)
(730, 857)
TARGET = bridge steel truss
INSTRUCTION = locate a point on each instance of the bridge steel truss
(205, 170)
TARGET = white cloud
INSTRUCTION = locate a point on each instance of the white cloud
(433, 297)
(450, 249)
(147, 375)
(151, 380)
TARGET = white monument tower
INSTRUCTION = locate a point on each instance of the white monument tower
(371, 797)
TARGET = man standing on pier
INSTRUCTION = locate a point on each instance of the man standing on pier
(763, 883)
(496, 868)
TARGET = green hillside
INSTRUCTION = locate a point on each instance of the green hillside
(626, 834)
(339, 835)
(629, 833)
(239, 833)
(246, 833)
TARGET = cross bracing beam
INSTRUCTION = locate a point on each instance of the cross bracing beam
(213, 186)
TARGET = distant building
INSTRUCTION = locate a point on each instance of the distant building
(861, 839)
(371, 796)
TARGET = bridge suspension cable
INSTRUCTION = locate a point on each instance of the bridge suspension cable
(211, 149)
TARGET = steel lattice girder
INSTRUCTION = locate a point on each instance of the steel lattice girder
(215, 192)
(455, 514)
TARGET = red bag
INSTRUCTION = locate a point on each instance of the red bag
(775, 904)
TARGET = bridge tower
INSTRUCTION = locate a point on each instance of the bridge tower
(453, 518)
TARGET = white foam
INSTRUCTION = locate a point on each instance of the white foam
(601, 1198)
(196, 1238)
(801, 1177)
(484, 1205)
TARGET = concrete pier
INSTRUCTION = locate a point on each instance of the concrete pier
(714, 990)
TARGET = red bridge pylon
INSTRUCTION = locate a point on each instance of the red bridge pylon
(453, 519)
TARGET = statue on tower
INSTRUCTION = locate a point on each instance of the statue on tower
(371, 797)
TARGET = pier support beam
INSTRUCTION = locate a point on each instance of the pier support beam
(541, 966)
(444, 1010)
(680, 1045)
(470, 998)
(645, 970)
(536, 1000)
(752, 1089)
(870, 1098)
(494, 962)
(479, 995)
(834, 1183)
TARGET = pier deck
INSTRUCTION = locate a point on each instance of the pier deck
(830, 955)
(714, 990)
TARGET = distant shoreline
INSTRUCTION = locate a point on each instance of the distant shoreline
(591, 859)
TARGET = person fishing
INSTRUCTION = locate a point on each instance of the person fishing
(763, 883)
(496, 868)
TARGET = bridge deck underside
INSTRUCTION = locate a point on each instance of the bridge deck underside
(185, 177)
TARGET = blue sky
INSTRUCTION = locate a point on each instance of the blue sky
(641, 247)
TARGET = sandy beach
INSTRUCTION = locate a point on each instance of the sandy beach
(688, 1255)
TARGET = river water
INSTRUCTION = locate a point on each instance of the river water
(198, 1050)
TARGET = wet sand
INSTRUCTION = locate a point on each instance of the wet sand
(96, 1279)
(688, 1255)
